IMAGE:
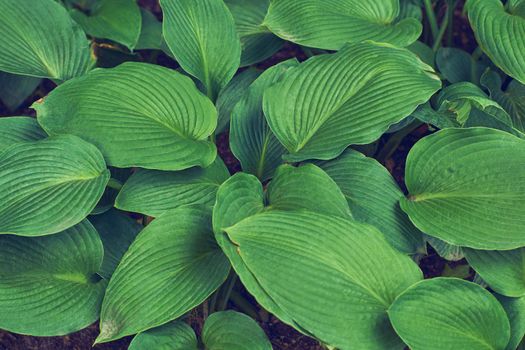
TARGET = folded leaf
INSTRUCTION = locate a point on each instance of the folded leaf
(191, 29)
(173, 265)
(14, 89)
(373, 197)
(50, 185)
(467, 187)
(38, 38)
(171, 336)
(153, 192)
(462, 315)
(49, 285)
(15, 130)
(329, 25)
(502, 270)
(499, 32)
(137, 114)
(351, 97)
(515, 308)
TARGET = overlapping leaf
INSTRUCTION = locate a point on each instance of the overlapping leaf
(467, 187)
(171, 336)
(38, 38)
(515, 308)
(50, 185)
(331, 24)
(14, 89)
(457, 65)
(49, 285)
(137, 114)
(15, 130)
(352, 97)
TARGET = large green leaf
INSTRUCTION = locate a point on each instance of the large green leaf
(500, 32)
(257, 41)
(503, 271)
(15, 130)
(202, 36)
(515, 308)
(351, 97)
(117, 20)
(173, 265)
(373, 197)
(331, 24)
(50, 185)
(233, 331)
(137, 114)
(153, 192)
(48, 285)
(251, 140)
(171, 336)
(320, 285)
(449, 314)
(467, 187)
(38, 38)
(14, 89)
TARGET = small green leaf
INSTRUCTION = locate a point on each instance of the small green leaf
(329, 25)
(15, 130)
(137, 114)
(515, 308)
(171, 336)
(458, 66)
(445, 250)
(38, 38)
(462, 315)
(151, 34)
(14, 89)
(173, 265)
(50, 185)
(201, 34)
(48, 285)
(467, 187)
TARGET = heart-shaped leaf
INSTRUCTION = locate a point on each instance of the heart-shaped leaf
(38, 38)
(191, 30)
(463, 315)
(467, 187)
(153, 192)
(515, 308)
(14, 89)
(499, 32)
(329, 25)
(171, 336)
(49, 285)
(137, 114)
(351, 97)
(15, 130)
(50, 185)
(173, 265)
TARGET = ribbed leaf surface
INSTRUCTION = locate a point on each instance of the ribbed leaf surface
(137, 114)
(173, 265)
(191, 29)
(153, 192)
(48, 285)
(15, 130)
(449, 314)
(331, 24)
(500, 32)
(50, 185)
(467, 187)
(38, 38)
(515, 308)
(14, 89)
(352, 97)
(171, 336)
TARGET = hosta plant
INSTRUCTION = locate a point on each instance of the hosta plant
(121, 202)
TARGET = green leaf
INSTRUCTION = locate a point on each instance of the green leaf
(373, 197)
(48, 285)
(117, 232)
(251, 140)
(500, 35)
(329, 25)
(515, 308)
(171, 336)
(14, 130)
(257, 41)
(15, 89)
(424, 52)
(445, 250)
(116, 20)
(504, 271)
(201, 34)
(50, 185)
(173, 265)
(233, 331)
(351, 97)
(151, 33)
(137, 114)
(329, 294)
(467, 187)
(462, 315)
(231, 94)
(153, 192)
(118, 176)
(457, 65)
(38, 38)
(426, 114)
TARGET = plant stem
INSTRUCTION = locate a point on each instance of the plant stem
(243, 305)
(439, 38)
(114, 184)
(431, 18)
(395, 140)
(227, 291)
